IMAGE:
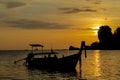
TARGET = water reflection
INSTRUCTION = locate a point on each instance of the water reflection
(78, 70)
(97, 63)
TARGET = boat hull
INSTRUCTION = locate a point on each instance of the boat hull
(62, 64)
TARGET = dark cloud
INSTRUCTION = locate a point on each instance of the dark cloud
(95, 1)
(33, 24)
(83, 29)
(12, 4)
(76, 10)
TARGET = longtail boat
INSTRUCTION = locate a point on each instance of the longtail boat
(65, 63)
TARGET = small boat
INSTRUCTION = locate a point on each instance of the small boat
(65, 63)
(53, 63)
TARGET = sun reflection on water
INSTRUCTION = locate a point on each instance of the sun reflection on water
(97, 63)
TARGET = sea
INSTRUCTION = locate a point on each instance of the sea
(99, 65)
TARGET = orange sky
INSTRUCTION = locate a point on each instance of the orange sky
(58, 23)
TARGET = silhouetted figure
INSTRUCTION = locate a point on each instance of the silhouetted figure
(49, 55)
(63, 56)
(55, 56)
(29, 57)
(45, 57)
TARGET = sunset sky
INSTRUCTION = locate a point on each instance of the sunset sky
(56, 23)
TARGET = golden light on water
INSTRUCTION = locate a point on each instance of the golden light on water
(97, 63)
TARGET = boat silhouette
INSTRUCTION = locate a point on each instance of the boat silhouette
(53, 63)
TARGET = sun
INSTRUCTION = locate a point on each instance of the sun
(95, 29)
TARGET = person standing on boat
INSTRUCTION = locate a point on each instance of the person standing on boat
(30, 57)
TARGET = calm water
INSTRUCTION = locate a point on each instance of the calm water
(99, 65)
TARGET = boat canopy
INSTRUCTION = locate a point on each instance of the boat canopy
(39, 45)
(36, 45)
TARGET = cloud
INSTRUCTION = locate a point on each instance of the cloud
(12, 4)
(76, 10)
(33, 24)
(2, 16)
(95, 1)
(85, 29)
